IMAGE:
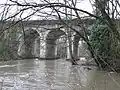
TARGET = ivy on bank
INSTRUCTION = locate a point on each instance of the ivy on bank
(105, 44)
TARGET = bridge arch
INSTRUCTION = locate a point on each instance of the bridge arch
(51, 38)
(27, 43)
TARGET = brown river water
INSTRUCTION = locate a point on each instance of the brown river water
(54, 75)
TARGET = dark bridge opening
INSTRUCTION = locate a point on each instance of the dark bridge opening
(51, 43)
(26, 49)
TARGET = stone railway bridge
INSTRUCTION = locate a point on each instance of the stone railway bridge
(40, 37)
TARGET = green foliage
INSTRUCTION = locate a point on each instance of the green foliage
(5, 53)
(8, 44)
(104, 43)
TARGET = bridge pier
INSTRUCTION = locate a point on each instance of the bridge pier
(75, 46)
(37, 47)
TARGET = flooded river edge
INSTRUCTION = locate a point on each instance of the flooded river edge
(33, 74)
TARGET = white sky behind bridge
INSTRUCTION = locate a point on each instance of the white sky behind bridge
(84, 4)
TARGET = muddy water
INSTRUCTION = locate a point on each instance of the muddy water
(54, 75)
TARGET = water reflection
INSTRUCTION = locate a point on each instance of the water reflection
(50, 73)
(54, 75)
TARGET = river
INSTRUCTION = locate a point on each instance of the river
(54, 75)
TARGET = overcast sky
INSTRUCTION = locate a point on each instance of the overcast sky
(84, 4)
